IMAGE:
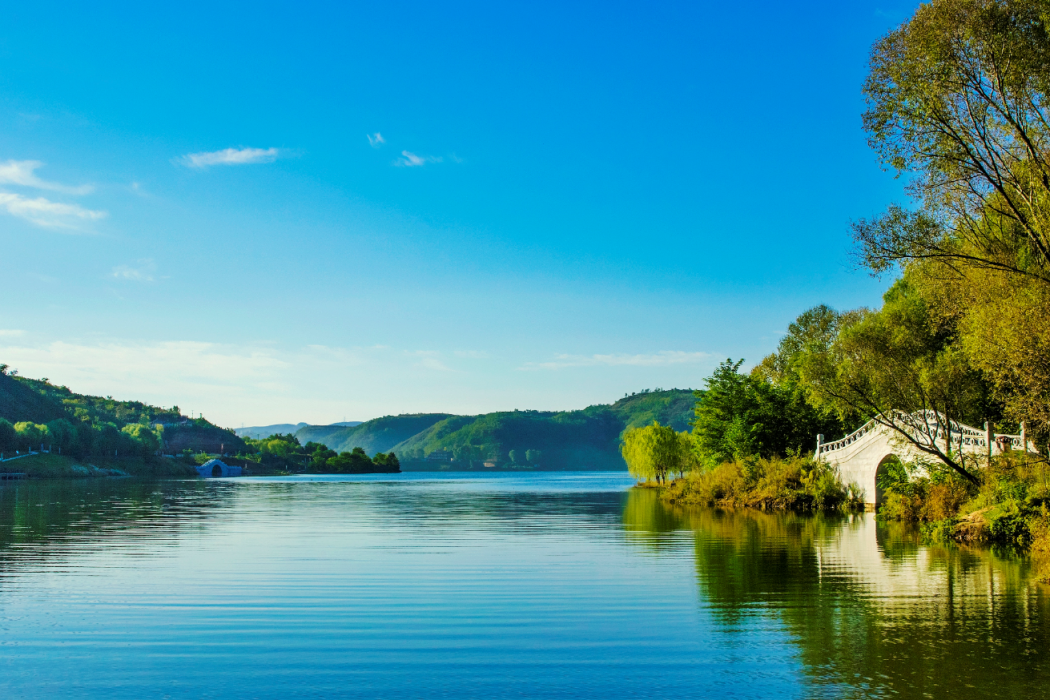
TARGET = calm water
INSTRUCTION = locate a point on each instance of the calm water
(489, 586)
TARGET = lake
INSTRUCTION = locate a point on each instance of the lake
(543, 585)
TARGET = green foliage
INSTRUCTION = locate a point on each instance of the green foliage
(8, 436)
(82, 426)
(143, 439)
(656, 451)
(64, 435)
(1010, 528)
(792, 483)
(31, 436)
(741, 415)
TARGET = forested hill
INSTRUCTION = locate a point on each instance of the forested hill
(377, 435)
(585, 439)
(99, 423)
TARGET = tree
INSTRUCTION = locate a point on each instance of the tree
(533, 456)
(30, 436)
(655, 451)
(63, 435)
(353, 462)
(8, 436)
(957, 98)
(516, 456)
(764, 413)
(143, 440)
(898, 368)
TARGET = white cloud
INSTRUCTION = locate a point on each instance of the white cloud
(376, 140)
(229, 156)
(411, 160)
(44, 212)
(143, 271)
(98, 367)
(660, 359)
(20, 172)
(11, 333)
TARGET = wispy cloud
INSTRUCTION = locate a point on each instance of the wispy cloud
(376, 140)
(21, 172)
(142, 271)
(11, 333)
(44, 212)
(411, 160)
(472, 354)
(431, 359)
(229, 156)
(663, 358)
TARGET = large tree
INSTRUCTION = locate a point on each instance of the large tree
(763, 413)
(898, 367)
(957, 99)
(959, 102)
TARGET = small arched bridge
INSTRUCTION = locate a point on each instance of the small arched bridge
(859, 456)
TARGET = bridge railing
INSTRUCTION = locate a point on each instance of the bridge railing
(929, 427)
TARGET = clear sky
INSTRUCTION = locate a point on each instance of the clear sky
(270, 212)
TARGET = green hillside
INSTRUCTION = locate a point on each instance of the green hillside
(377, 435)
(94, 425)
(587, 439)
(673, 407)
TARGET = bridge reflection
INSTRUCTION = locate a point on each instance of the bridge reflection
(873, 611)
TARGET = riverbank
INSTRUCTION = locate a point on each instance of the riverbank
(1009, 506)
(52, 466)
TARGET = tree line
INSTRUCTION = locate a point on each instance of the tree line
(80, 439)
(286, 452)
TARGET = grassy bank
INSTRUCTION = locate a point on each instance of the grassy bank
(1009, 507)
(51, 466)
(793, 483)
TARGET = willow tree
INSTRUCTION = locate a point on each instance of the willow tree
(959, 103)
(656, 451)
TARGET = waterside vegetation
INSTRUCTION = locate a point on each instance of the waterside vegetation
(957, 105)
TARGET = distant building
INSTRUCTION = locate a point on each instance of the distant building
(215, 468)
(439, 456)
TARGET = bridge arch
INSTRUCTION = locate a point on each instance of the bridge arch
(883, 468)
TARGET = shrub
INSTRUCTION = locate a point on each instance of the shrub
(794, 483)
(1010, 528)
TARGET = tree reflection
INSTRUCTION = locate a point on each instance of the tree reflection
(874, 613)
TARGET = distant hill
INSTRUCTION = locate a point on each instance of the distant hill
(585, 439)
(258, 432)
(377, 435)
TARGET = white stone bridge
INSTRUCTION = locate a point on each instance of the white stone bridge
(861, 455)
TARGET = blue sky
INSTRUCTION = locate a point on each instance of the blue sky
(304, 211)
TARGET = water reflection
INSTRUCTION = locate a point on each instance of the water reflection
(873, 612)
(463, 586)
